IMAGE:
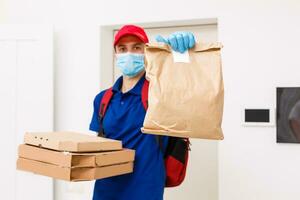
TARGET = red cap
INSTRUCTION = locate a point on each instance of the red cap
(131, 30)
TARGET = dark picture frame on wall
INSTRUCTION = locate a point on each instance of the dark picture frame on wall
(288, 114)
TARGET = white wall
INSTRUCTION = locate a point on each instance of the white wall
(261, 52)
(261, 44)
(2, 11)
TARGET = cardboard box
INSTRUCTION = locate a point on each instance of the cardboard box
(75, 166)
(73, 174)
(71, 141)
(69, 159)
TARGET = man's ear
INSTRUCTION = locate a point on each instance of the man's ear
(145, 60)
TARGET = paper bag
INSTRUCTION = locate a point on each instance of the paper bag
(185, 98)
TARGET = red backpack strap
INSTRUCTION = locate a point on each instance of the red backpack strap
(145, 89)
(102, 109)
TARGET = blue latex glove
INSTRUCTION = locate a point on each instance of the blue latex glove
(179, 41)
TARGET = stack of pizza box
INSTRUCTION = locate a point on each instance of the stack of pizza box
(73, 156)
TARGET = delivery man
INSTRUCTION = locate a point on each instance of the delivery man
(125, 115)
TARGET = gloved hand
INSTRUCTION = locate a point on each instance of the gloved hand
(179, 41)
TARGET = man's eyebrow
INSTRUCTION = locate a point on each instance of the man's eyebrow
(138, 43)
(120, 45)
(134, 44)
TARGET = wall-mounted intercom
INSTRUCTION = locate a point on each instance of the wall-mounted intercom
(258, 117)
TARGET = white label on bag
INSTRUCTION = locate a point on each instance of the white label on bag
(181, 57)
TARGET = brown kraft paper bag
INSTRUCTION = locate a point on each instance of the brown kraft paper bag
(184, 99)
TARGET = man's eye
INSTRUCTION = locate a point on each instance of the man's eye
(137, 48)
(121, 49)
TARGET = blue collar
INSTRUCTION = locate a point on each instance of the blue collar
(137, 89)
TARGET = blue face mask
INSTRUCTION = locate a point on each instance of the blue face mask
(130, 64)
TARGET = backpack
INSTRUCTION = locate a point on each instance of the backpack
(177, 150)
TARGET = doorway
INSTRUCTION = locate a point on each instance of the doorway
(202, 174)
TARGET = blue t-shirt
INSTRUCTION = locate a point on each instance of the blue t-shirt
(123, 121)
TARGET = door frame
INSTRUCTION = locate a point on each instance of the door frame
(107, 75)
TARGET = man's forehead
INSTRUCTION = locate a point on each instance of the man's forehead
(129, 40)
